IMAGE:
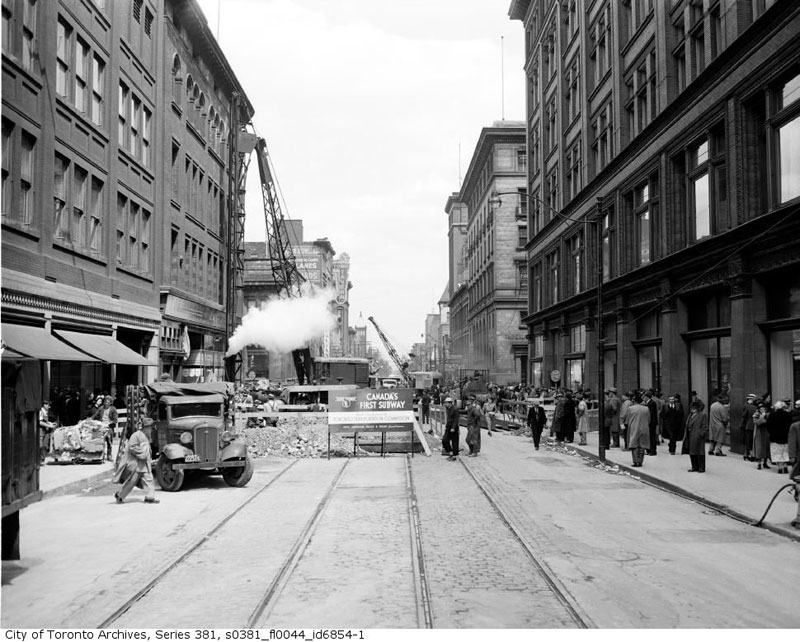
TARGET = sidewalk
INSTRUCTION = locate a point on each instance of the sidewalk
(730, 485)
(61, 479)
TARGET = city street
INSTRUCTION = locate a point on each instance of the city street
(515, 538)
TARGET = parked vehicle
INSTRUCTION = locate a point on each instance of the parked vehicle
(191, 428)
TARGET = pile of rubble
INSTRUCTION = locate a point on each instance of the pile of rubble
(297, 437)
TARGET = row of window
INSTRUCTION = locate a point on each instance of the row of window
(699, 204)
(199, 270)
(201, 115)
(200, 196)
(19, 31)
(17, 195)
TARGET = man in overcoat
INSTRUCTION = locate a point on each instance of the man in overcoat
(694, 440)
(638, 429)
(537, 420)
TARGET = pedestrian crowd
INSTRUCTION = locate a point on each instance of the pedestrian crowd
(639, 421)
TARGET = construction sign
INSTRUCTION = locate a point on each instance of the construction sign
(367, 409)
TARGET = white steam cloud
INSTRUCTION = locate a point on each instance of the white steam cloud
(283, 325)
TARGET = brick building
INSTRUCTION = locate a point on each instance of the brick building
(684, 117)
(114, 169)
(487, 306)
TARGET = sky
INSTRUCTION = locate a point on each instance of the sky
(371, 111)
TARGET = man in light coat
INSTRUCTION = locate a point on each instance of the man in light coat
(139, 461)
(638, 429)
(718, 419)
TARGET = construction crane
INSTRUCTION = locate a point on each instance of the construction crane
(281, 256)
(402, 366)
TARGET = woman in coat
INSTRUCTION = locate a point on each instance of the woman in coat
(694, 440)
(761, 435)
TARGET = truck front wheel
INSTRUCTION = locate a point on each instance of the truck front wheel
(168, 478)
(240, 475)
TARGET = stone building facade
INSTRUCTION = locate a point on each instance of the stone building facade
(683, 118)
(487, 307)
(96, 208)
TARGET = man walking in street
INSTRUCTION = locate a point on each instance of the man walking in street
(425, 404)
(718, 419)
(451, 437)
(139, 463)
(474, 415)
(537, 420)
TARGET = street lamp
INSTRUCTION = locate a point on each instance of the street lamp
(596, 215)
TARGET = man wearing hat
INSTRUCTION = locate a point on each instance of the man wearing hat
(451, 437)
(536, 420)
(747, 427)
(611, 419)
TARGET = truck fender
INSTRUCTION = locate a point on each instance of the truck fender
(175, 451)
(234, 450)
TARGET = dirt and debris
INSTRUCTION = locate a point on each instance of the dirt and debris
(298, 437)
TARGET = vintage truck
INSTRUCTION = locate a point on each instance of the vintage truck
(191, 429)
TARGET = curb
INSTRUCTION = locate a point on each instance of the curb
(80, 485)
(789, 532)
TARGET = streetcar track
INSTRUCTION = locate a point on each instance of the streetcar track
(582, 620)
(421, 586)
(160, 575)
(270, 597)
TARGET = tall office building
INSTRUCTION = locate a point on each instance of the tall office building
(683, 117)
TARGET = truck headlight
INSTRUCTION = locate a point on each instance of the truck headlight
(226, 437)
(187, 438)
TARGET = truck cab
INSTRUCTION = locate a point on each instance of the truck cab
(190, 427)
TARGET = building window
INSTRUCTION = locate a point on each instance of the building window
(552, 194)
(98, 83)
(553, 277)
(577, 338)
(706, 184)
(551, 124)
(28, 33)
(522, 160)
(133, 236)
(642, 106)
(60, 187)
(575, 373)
(572, 97)
(679, 54)
(536, 221)
(536, 150)
(608, 243)
(572, 19)
(643, 223)
(522, 236)
(134, 129)
(576, 251)
(603, 144)
(78, 232)
(573, 170)
(522, 204)
(600, 34)
(786, 122)
(95, 244)
(698, 44)
(27, 162)
(536, 288)
(533, 88)
(63, 35)
(549, 54)
(6, 150)
(81, 74)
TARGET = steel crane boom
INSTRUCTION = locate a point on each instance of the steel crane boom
(281, 256)
(401, 365)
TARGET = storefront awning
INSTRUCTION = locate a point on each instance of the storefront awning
(104, 347)
(38, 343)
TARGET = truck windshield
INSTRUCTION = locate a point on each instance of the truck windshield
(196, 410)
